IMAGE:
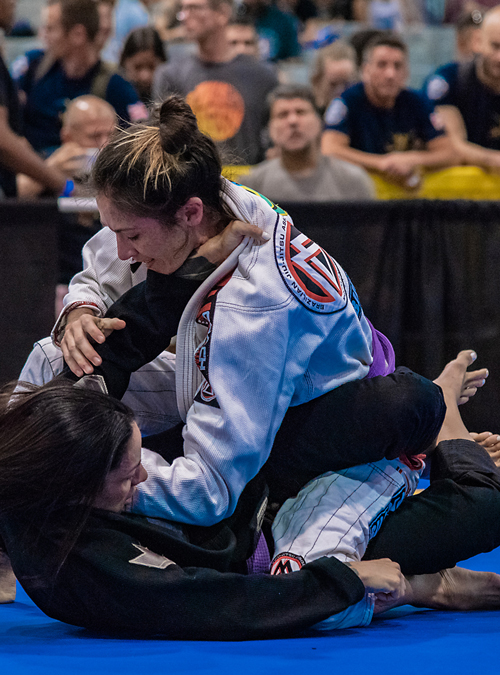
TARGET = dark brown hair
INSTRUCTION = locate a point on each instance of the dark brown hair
(57, 445)
(385, 40)
(151, 170)
(76, 12)
(140, 40)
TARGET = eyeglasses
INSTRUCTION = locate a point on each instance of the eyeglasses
(195, 9)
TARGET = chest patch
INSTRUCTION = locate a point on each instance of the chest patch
(308, 271)
(150, 559)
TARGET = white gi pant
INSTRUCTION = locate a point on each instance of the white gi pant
(337, 514)
(150, 394)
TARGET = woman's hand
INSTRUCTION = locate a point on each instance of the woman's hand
(380, 576)
(218, 248)
(83, 328)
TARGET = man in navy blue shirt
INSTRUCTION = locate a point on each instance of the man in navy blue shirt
(69, 68)
(16, 156)
(382, 126)
(468, 98)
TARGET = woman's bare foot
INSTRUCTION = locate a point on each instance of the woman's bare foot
(490, 442)
(456, 377)
(7, 580)
(452, 382)
(455, 589)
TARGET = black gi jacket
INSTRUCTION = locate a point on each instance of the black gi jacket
(203, 595)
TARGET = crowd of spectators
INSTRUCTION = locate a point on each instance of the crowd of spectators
(316, 140)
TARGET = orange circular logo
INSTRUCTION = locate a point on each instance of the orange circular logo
(219, 109)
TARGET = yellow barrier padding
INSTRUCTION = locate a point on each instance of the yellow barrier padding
(457, 182)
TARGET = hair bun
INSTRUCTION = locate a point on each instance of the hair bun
(178, 126)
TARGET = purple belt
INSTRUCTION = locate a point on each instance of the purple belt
(384, 359)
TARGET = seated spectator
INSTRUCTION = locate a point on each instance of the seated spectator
(301, 172)
(243, 38)
(334, 70)
(226, 93)
(277, 30)
(454, 9)
(381, 125)
(70, 67)
(468, 96)
(15, 154)
(167, 24)
(468, 41)
(106, 24)
(87, 125)
(128, 15)
(360, 38)
(142, 53)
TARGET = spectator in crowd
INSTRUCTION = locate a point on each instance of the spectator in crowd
(128, 15)
(381, 125)
(360, 39)
(142, 53)
(106, 24)
(454, 9)
(227, 94)
(301, 172)
(468, 41)
(468, 98)
(278, 31)
(167, 24)
(70, 67)
(334, 70)
(243, 37)
(15, 154)
(87, 125)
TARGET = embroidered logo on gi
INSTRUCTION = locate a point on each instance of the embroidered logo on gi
(205, 393)
(395, 502)
(308, 271)
(286, 563)
(150, 559)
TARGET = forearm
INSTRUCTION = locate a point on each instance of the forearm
(19, 157)
(475, 155)
(367, 160)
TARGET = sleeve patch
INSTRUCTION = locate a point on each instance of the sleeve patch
(286, 563)
(309, 273)
(437, 88)
(336, 112)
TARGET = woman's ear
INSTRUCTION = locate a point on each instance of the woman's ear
(191, 214)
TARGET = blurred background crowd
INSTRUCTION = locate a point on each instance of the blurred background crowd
(308, 100)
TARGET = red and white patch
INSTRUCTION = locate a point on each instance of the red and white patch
(286, 563)
(137, 112)
(308, 271)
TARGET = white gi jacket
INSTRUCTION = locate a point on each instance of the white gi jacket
(275, 325)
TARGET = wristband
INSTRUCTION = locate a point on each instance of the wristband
(68, 188)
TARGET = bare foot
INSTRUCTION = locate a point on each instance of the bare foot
(7, 580)
(457, 381)
(452, 382)
(456, 589)
(490, 442)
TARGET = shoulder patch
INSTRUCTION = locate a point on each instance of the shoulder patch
(286, 563)
(437, 88)
(150, 559)
(336, 112)
(137, 112)
(308, 271)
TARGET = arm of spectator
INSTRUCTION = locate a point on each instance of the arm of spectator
(336, 143)
(438, 153)
(469, 153)
(18, 156)
(69, 159)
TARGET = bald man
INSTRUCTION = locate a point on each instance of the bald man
(467, 97)
(86, 126)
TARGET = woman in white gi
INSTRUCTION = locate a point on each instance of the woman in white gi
(273, 326)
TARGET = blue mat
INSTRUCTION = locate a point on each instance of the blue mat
(403, 641)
